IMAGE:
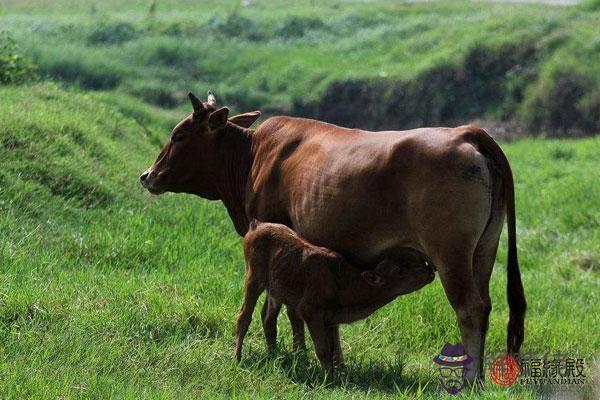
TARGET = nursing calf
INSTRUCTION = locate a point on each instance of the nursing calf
(317, 286)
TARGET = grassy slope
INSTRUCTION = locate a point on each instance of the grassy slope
(107, 291)
(285, 57)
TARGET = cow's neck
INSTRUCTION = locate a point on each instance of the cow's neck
(236, 157)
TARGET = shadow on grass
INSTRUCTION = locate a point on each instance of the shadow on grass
(365, 376)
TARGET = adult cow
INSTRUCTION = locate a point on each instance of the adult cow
(442, 192)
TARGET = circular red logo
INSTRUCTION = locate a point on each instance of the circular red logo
(504, 370)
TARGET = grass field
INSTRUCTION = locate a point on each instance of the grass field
(109, 292)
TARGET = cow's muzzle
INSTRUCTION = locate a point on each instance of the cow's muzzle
(145, 179)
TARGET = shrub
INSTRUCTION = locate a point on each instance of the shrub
(14, 68)
(156, 93)
(590, 5)
(88, 75)
(295, 27)
(564, 101)
(234, 25)
(112, 33)
(448, 93)
(170, 53)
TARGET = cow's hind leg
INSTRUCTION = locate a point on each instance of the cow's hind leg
(483, 264)
(484, 258)
(456, 275)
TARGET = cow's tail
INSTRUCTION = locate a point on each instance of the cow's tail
(514, 290)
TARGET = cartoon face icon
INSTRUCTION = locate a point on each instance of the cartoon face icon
(451, 362)
(452, 378)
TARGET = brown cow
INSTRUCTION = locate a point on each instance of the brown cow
(316, 284)
(442, 192)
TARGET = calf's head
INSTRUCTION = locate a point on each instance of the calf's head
(190, 161)
(394, 279)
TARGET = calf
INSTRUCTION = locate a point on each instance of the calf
(317, 285)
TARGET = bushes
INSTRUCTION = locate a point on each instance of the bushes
(157, 93)
(590, 5)
(14, 68)
(112, 33)
(96, 76)
(88, 68)
(170, 52)
(562, 102)
(447, 93)
(295, 27)
(234, 26)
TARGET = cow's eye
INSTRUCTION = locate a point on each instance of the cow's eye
(176, 138)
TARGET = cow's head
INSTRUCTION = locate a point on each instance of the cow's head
(189, 161)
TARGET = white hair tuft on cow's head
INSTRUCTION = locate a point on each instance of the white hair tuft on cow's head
(212, 101)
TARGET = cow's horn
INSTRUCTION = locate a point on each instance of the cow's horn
(196, 103)
(212, 101)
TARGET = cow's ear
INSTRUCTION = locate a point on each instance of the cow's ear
(373, 278)
(218, 119)
(245, 120)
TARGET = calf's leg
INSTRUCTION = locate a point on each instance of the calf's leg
(297, 329)
(253, 288)
(321, 338)
(269, 314)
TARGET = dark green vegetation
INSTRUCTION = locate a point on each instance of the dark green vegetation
(106, 291)
(14, 68)
(378, 64)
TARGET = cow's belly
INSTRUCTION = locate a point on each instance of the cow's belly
(362, 243)
(355, 219)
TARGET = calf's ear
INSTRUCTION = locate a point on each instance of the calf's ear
(387, 267)
(373, 278)
(245, 120)
(218, 119)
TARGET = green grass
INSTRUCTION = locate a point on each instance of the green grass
(413, 63)
(108, 292)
